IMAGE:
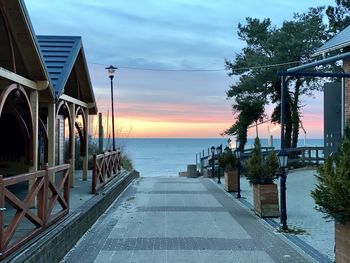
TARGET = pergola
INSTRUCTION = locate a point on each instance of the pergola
(301, 71)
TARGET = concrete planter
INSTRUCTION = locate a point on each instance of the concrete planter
(231, 181)
(342, 242)
(266, 200)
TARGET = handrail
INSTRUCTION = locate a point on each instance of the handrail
(46, 202)
(106, 166)
(302, 154)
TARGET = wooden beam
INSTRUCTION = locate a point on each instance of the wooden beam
(74, 101)
(9, 75)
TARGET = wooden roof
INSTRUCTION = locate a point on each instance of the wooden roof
(28, 61)
(340, 40)
(65, 61)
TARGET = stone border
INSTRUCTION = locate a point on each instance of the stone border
(53, 244)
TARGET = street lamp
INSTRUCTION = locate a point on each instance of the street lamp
(238, 156)
(218, 151)
(283, 161)
(111, 71)
(212, 149)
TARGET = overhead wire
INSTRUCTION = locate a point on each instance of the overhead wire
(201, 69)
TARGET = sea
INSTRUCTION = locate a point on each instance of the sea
(168, 157)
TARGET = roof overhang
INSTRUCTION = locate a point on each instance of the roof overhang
(22, 31)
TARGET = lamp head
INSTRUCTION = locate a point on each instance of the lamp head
(283, 158)
(111, 70)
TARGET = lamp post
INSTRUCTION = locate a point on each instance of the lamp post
(218, 151)
(238, 156)
(111, 71)
(283, 161)
(212, 150)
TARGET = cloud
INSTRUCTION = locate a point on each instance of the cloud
(153, 34)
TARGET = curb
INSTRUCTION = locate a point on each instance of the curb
(53, 244)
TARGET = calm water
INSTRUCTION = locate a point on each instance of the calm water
(167, 157)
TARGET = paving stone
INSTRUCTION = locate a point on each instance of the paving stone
(159, 222)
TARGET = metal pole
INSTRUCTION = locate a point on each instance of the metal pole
(212, 165)
(219, 182)
(111, 77)
(283, 174)
(239, 177)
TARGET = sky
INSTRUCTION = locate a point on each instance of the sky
(158, 47)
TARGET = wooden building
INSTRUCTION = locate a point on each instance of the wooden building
(337, 94)
(46, 98)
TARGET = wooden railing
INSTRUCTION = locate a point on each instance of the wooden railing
(30, 203)
(106, 166)
(300, 156)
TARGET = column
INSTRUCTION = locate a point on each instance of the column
(86, 138)
(51, 134)
(72, 150)
(34, 103)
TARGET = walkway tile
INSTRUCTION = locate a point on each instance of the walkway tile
(181, 220)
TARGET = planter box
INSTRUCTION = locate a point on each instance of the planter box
(266, 200)
(231, 181)
(342, 243)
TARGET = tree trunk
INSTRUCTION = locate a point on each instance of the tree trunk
(288, 121)
(295, 114)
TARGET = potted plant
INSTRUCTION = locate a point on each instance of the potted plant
(227, 161)
(261, 173)
(332, 196)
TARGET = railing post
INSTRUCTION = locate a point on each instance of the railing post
(310, 157)
(66, 187)
(2, 211)
(43, 196)
(316, 156)
(94, 175)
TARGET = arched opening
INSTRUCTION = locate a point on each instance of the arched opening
(80, 132)
(16, 132)
(42, 144)
(64, 138)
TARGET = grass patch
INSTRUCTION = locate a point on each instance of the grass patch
(293, 231)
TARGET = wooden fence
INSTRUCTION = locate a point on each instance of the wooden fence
(106, 166)
(300, 156)
(30, 203)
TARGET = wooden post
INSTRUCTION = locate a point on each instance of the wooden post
(94, 175)
(86, 138)
(34, 103)
(303, 156)
(72, 133)
(43, 196)
(66, 190)
(51, 134)
(317, 156)
(309, 156)
(100, 133)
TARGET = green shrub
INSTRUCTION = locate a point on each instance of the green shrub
(227, 160)
(260, 171)
(127, 163)
(332, 193)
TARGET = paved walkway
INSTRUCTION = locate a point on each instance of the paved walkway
(318, 239)
(181, 220)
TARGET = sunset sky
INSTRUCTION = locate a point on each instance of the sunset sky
(158, 46)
